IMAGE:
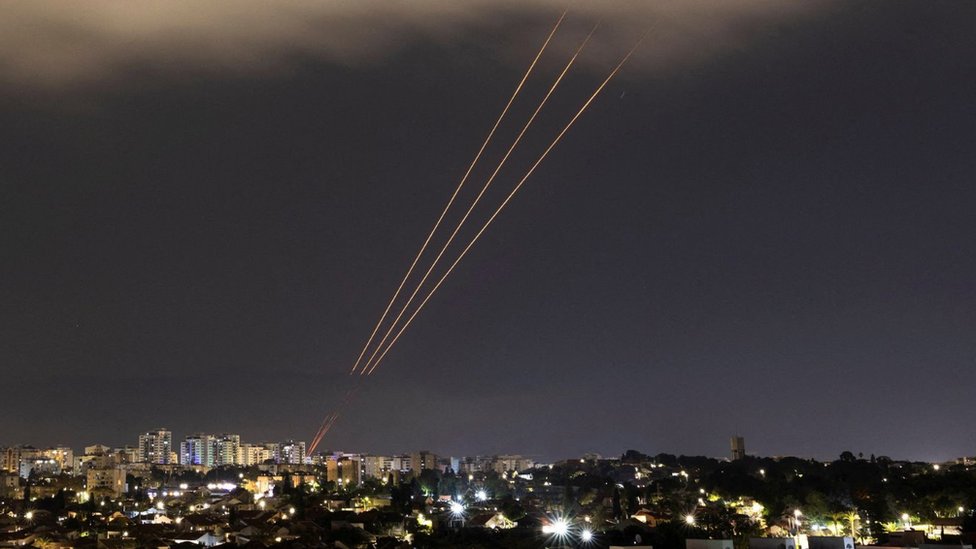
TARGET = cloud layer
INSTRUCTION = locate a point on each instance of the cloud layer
(46, 43)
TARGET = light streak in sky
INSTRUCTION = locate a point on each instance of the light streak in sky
(329, 420)
(457, 190)
(385, 345)
(477, 199)
(506, 201)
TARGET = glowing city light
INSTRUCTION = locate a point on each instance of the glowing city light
(690, 520)
(457, 508)
(481, 495)
(586, 536)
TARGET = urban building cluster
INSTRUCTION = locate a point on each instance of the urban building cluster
(105, 469)
(213, 489)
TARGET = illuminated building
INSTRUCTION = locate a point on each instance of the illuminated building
(106, 482)
(252, 454)
(350, 470)
(224, 450)
(197, 450)
(291, 452)
(156, 446)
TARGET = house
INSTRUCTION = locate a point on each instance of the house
(490, 520)
(649, 517)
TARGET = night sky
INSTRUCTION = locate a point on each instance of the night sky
(764, 226)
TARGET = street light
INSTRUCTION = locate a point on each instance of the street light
(586, 536)
(690, 520)
(795, 523)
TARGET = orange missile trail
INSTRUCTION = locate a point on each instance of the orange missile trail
(326, 424)
(331, 418)
(507, 199)
(477, 199)
(323, 431)
(456, 191)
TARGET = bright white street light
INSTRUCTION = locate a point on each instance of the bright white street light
(457, 508)
(560, 527)
(690, 520)
(586, 536)
(481, 495)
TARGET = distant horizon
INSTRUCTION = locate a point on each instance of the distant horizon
(326, 450)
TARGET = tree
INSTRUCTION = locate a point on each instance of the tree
(511, 508)
(618, 511)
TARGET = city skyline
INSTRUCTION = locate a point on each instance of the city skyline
(182, 451)
(762, 225)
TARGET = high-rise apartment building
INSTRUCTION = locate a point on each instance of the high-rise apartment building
(225, 448)
(274, 451)
(253, 454)
(505, 463)
(738, 448)
(376, 466)
(197, 450)
(291, 452)
(156, 446)
(422, 460)
(350, 470)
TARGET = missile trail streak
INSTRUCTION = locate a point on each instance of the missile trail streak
(477, 199)
(456, 191)
(331, 418)
(507, 199)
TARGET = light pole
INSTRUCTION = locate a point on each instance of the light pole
(795, 526)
